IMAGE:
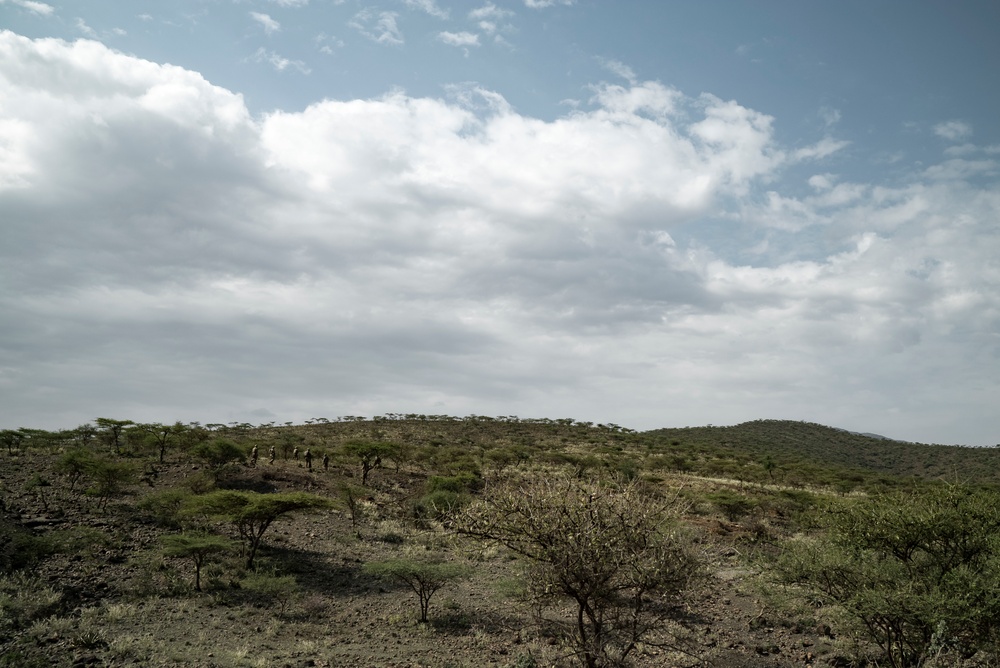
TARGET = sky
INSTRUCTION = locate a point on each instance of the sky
(646, 213)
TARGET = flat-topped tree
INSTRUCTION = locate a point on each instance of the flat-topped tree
(161, 435)
(199, 548)
(11, 438)
(252, 513)
(423, 576)
(112, 431)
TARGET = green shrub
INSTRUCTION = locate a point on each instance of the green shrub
(164, 507)
(731, 504)
(439, 504)
(74, 464)
(268, 589)
(916, 571)
(109, 478)
(20, 548)
(219, 455)
(462, 483)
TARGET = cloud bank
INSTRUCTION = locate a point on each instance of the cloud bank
(169, 256)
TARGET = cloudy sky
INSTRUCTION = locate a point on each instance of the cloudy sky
(650, 213)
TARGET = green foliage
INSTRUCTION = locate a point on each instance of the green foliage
(111, 431)
(732, 504)
(75, 464)
(462, 483)
(162, 435)
(77, 540)
(11, 439)
(165, 506)
(252, 513)
(20, 548)
(109, 478)
(351, 495)
(424, 576)
(268, 589)
(440, 504)
(915, 570)
(199, 548)
(446, 495)
(38, 486)
(218, 455)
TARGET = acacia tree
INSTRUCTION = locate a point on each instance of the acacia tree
(110, 479)
(76, 463)
(162, 435)
(351, 496)
(199, 548)
(112, 430)
(11, 439)
(611, 549)
(252, 513)
(423, 576)
(916, 571)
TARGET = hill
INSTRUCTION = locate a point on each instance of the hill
(806, 445)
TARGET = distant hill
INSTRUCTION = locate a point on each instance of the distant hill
(793, 442)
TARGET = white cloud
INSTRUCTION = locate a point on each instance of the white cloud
(168, 256)
(953, 130)
(278, 62)
(620, 69)
(428, 6)
(379, 27)
(542, 4)
(39, 8)
(84, 29)
(291, 3)
(490, 12)
(821, 149)
(490, 19)
(328, 43)
(829, 116)
(459, 38)
(269, 24)
(961, 170)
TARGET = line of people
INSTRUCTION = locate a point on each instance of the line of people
(308, 456)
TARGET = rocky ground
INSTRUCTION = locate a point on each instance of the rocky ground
(111, 598)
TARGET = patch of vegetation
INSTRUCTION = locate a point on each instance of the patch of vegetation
(424, 575)
(916, 571)
(589, 539)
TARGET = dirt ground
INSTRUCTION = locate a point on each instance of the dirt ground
(119, 602)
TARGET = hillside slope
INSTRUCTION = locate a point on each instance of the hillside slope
(791, 443)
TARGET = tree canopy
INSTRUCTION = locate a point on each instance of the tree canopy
(252, 513)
